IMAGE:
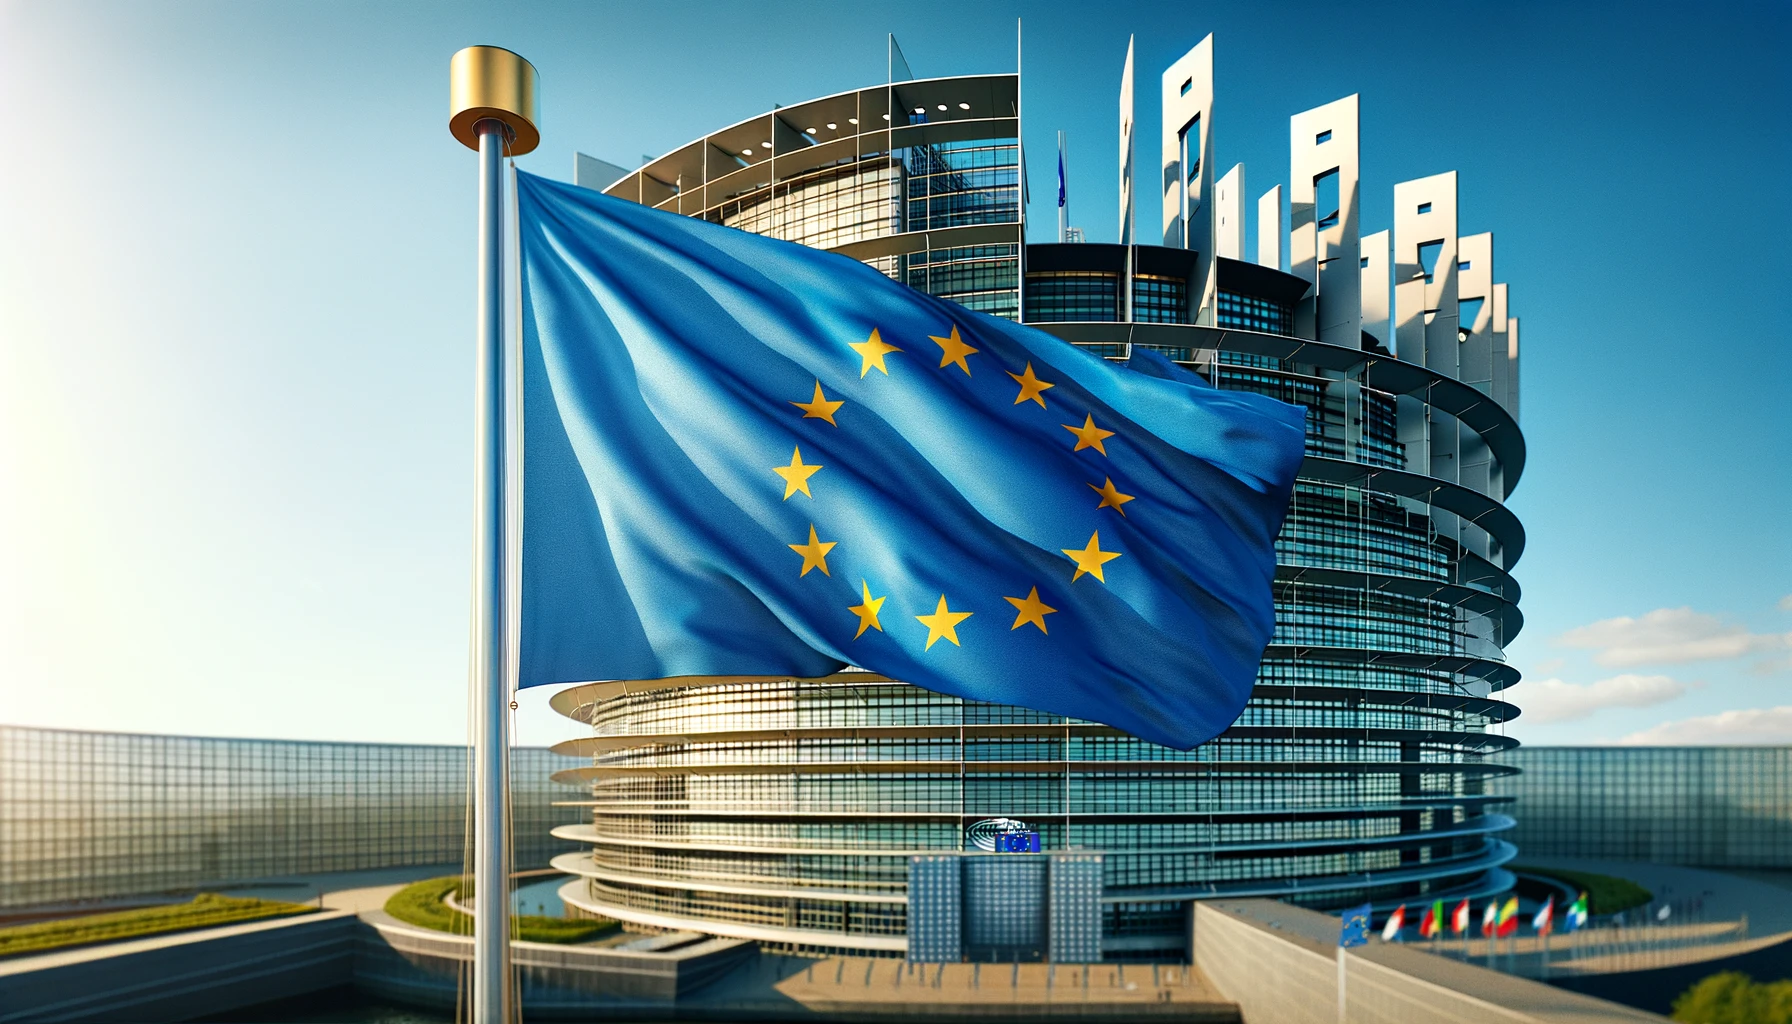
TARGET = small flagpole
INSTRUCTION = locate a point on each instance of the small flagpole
(1063, 195)
(1343, 1003)
(492, 109)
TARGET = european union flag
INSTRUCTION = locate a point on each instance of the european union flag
(743, 456)
(1354, 927)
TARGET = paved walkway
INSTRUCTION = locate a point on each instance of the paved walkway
(846, 983)
(336, 884)
(1723, 896)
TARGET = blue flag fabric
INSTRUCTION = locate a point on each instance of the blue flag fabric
(743, 456)
(1354, 929)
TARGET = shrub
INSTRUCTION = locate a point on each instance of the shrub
(420, 903)
(206, 910)
(1734, 998)
(1605, 894)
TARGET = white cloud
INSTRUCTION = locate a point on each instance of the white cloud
(1786, 603)
(1669, 636)
(1552, 700)
(1748, 727)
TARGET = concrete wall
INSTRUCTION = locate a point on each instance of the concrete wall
(423, 967)
(1272, 977)
(1280, 963)
(179, 977)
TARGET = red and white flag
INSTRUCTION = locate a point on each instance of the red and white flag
(1396, 921)
(1545, 921)
(1491, 919)
(1459, 919)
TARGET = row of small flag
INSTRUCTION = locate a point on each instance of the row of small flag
(1498, 921)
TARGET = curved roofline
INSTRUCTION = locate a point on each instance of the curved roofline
(590, 746)
(1476, 409)
(1053, 767)
(834, 96)
(784, 109)
(635, 807)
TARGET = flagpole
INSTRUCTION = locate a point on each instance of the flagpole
(1063, 195)
(492, 110)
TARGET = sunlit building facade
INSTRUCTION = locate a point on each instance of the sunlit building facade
(793, 811)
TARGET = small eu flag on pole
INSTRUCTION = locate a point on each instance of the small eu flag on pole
(1063, 193)
(1355, 929)
(743, 456)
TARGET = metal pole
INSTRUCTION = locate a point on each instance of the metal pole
(491, 889)
(492, 109)
(1064, 193)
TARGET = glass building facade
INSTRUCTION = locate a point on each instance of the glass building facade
(92, 815)
(790, 811)
(1720, 807)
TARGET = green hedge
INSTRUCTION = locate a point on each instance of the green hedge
(1735, 998)
(420, 903)
(207, 910)
(1605, 894)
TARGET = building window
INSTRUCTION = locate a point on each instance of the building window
(1066, 295)
(1428, 256)
(954, 184)
(1249, 313)
(1325, 198)
(1159, 300)
(979, 277)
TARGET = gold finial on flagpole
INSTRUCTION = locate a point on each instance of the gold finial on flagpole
(492, 82)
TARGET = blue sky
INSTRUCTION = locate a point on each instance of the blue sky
(236, 312)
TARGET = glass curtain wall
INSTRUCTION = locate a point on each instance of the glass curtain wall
(1721, 807)
(86, 815)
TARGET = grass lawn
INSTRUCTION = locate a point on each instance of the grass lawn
(207, 910)
(420, 903)
(1605, 894)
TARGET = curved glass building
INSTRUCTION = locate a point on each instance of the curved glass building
(793, 811)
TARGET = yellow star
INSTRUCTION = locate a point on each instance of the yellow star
(1031, 609)
(1089, 435)
(819, 408)
(1030, 386)
(943, 622)
(867, 612)
(872, 350)
(1090, 559)
(796, 475)
(815, 553)
(953, 350)
(1110, 496)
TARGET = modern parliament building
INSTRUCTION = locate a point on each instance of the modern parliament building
(855, 814)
